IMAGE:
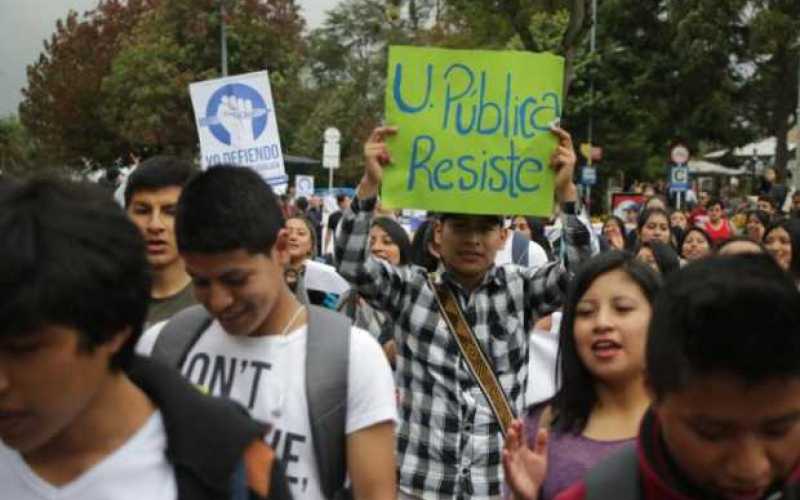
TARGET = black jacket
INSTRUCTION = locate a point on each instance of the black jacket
(206, 437)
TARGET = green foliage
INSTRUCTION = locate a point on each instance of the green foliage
(16, 147)
(61, 106)
(716, 73)
(178, 43)
(347, 66)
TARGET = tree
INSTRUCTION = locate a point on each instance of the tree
(178, 43)
(773, 44)
(16, 147)
(347, 64)
(62, 106)
(493, 23)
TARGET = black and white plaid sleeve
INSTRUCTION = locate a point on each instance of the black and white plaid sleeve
(547, 286)
(379, 283)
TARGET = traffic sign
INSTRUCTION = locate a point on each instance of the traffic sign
(679, 155)
(679, 178)
(330, 155)
(330, 150)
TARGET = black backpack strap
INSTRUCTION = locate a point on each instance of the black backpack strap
(327, 359)
(520, 249)
(179, 335)
(617, 477)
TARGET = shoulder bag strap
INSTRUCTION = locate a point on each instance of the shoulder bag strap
(479, 365)
(520, 247)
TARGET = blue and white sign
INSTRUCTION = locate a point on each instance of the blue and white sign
(589, 176)
(304, 185)
(679, 178)
(236, 124)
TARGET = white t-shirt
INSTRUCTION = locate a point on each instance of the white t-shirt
(537, 257)
(138, 469)
(267, 376)
(542, 363)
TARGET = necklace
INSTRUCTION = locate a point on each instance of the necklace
(292, 320)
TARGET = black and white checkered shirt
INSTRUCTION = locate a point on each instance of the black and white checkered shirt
(449, 442)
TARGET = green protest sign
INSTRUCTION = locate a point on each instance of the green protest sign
(473, 130)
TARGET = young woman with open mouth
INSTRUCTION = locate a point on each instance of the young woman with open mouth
(602, 397)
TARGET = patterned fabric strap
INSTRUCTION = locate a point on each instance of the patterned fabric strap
(479, 365)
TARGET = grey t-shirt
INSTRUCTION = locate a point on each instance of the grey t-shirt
(163, 309)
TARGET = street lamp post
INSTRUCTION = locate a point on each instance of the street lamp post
(223, 39)
(590, 132)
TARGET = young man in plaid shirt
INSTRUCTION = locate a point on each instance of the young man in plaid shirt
(449, 441)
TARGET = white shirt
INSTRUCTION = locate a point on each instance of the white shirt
(542, 363)
(537, 257)
(138, 469)
(267, 376)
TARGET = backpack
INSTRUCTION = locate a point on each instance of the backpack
(615, 477)
(327, 358)
(520, 249)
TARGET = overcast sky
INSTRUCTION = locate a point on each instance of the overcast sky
(25, 24)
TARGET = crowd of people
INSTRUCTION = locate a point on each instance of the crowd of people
(345, 356)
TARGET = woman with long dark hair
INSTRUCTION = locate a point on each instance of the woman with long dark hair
(695, 244)
(661, 257)
(614, 233)
(782, 241)
(652, 224)
(533, 229)
(301, 246)
(388, 241)
(602, 396)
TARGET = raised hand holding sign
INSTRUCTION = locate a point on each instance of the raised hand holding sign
(475, 130)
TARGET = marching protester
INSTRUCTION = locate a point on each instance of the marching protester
(324, 386)
(533, 228)
(519, 249)
(301, 247)
(151, 199)
(757, 223)
(653, 224)
(678, 224)
(717, 226)
(695, 244)
(342, 202)
(450, 435)
(766, 204)
(699, 214)
(602, 397)
(388, 241)
(614, 233)
(82, 417)
(679, 220)
(423, 248)
(659, 256)
(721, 368)
(795, 207)
(782, 241)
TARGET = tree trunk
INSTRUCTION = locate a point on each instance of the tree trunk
(783, 108)
(579, 24)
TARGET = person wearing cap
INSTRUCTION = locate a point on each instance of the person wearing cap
(449, 441)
